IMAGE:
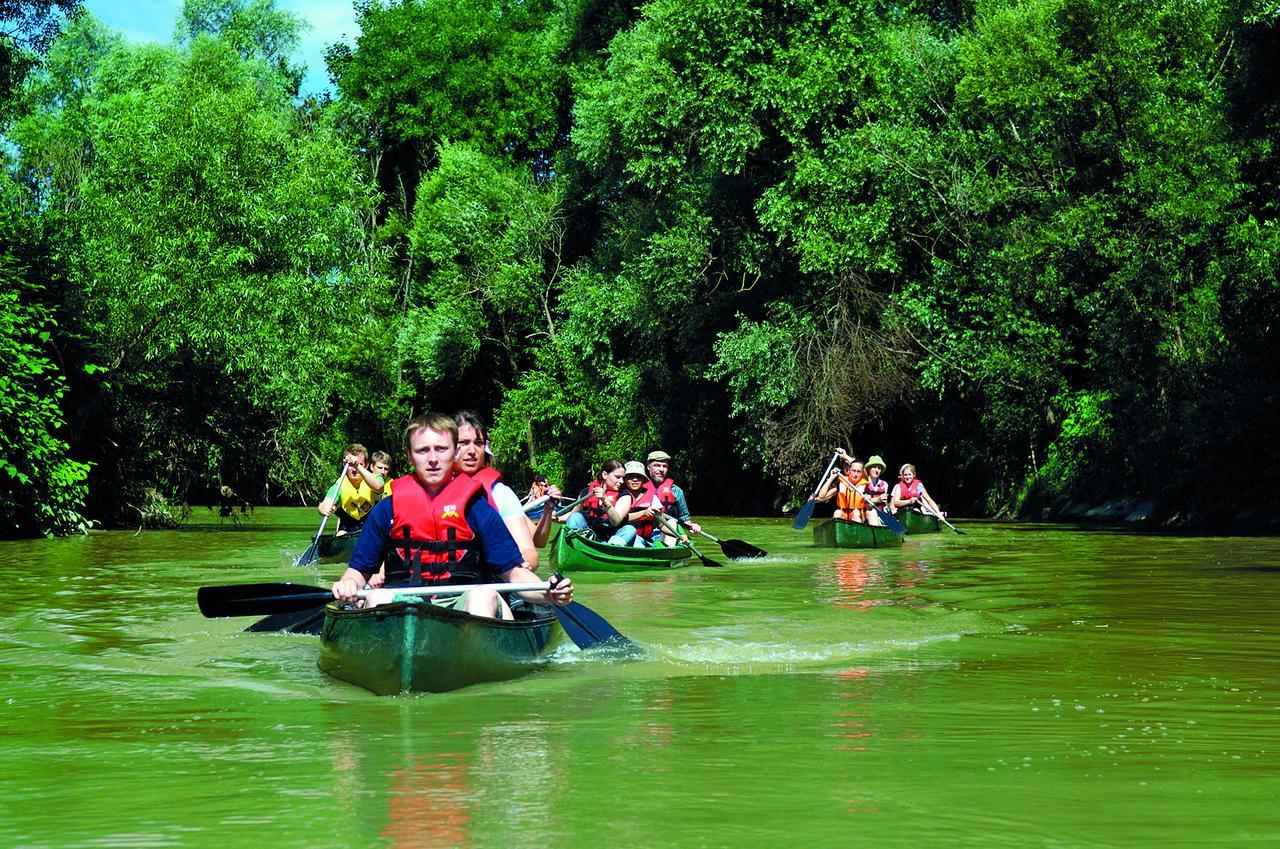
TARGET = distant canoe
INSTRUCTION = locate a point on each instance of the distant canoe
(575, 551)
(416, 646)
(336, 549)
(838, 533)
(918, 523)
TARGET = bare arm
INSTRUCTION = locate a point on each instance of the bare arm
(375, 482)
(828, 488)
(929, 502)
(560, 595)
(620, 510)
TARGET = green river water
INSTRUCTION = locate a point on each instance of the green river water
(1020, 685)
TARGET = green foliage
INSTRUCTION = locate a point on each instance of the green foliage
(42, 490)
(27, 28)
(1026, 245)
(211, 236)
(429, 71)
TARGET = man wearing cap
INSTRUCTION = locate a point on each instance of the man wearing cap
(668, 494)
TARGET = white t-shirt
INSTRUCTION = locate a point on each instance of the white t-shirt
(506, 500)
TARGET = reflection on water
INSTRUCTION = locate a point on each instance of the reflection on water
(429, 802)
(1021, 685)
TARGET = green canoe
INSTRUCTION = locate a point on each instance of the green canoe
(414, 646)
(574, 551)
(336, 549)
(918, 523)
(837, 533)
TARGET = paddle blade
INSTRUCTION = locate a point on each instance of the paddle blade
(589, 629)
(740, 550)
(259, 599)
(310, 555)
(806, 512)
(309, 621)
(707, 561)
(890, 522)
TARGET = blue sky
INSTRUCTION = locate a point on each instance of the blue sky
(153, 20)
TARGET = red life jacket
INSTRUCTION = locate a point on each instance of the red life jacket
(912, 491)
(431, 534)
(488, 476)
(664, 491)
(596, 510)
(877, 487)
(644, 527)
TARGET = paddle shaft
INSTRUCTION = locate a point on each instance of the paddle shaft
(888, 518)
(673, 528)
(823, 479)
(941, 518)
(568, 508)
(740, 548)
(264, 599)
(806, 509)
(536, 503)
(311, 549)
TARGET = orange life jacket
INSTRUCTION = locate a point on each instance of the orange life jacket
(846, 498)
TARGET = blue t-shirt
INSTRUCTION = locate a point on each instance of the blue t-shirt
(496, 546)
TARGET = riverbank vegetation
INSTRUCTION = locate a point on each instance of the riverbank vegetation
(1030, 246)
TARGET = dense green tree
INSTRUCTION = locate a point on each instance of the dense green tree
(27, 28)
(1029, 245)
(42, 490)
(208, 229)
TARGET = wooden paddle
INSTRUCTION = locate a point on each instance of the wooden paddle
(885, 516)
(674, 530)
(733, 548)
(802, 518)
(582, 624)
(309, 556)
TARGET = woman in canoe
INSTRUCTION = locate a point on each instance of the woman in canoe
(850, 506)
(595, 514)
(637, 504)
(473, 460)
(909, 493)
(875, 489)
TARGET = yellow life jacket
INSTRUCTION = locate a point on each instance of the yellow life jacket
(355, 501)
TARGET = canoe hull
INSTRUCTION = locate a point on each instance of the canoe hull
(336, 549)
(415, 646)
(837, 533)
(573, 551)
(918, 523)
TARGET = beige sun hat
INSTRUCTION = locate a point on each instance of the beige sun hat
(634, 467)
